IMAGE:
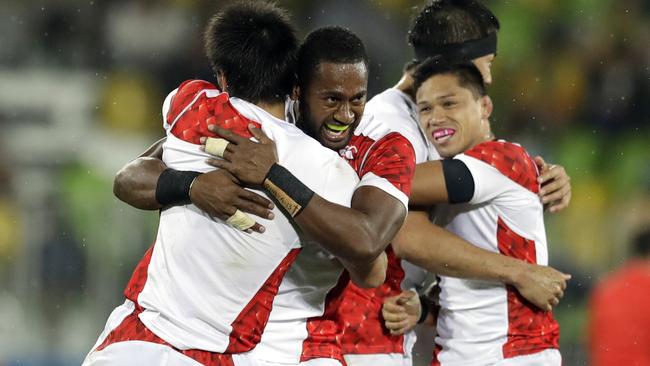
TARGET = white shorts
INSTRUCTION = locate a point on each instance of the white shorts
(140, 352)
(549, 357)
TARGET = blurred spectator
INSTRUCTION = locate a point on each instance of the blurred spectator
(619, 331)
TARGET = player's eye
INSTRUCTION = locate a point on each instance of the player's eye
(331, 100)
(448, 104)
(425, 109)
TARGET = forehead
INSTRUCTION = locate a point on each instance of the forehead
(441, 85)
(340, 76)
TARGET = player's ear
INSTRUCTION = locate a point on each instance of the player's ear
(221, 81)
(486, 107)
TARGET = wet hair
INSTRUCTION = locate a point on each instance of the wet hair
(328, 44)
(641, 244)
(450, 22)
(254, 45)
(467, 73)
(443, 22)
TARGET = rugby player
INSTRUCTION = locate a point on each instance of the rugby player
(207, 293)
(359, 310)
(511, 271)
(488, 190)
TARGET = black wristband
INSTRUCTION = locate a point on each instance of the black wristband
(424, 309)
(173, 186)
(290, 192)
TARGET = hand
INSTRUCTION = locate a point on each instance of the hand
(402, 312)
(219, 195)
(248, 161)
(541, 285)
(555, 184)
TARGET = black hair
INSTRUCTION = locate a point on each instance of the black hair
(467, 73)
(641, 244)
(443, 22)
(328, 44)
(254, 45)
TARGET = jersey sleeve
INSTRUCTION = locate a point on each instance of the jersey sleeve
(389, 166)
(188, 111)
(498, 167)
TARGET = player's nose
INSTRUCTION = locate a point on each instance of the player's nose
(344, 114)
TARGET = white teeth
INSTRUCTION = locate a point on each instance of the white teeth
(443, 138)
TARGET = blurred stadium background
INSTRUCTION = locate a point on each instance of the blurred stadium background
(81, 84)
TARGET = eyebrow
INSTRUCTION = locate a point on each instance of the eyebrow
(340, 94)
(446, 96)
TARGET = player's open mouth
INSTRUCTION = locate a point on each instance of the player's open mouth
(443, 134)
(335, 132)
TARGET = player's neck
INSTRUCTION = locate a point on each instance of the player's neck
(405, 85)
(275, 109)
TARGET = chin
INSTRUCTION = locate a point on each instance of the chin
(447, 152)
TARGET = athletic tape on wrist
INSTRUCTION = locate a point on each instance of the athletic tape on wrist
(290, 192)
(216, 146)
(173, 186)
(240, 220)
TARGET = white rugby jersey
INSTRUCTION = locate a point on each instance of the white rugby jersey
(385, 159)
(205, 285)
(397, 110)
(389, 113)
(481, 322)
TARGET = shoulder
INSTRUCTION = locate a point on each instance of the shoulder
(197, 104)
(184, 95)
(509, 159)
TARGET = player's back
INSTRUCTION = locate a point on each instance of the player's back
(480, 321)
(208, 285)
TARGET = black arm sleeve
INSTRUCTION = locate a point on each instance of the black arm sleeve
(459, 181)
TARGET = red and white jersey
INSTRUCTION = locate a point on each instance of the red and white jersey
(395, 109)
(205, 285)
(481, 322)
(391, 112)
(379, 150)
(385, 159)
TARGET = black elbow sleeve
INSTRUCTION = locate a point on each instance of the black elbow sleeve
(459, 181)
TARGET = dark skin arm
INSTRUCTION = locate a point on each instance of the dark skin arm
(452, 256)
(357, 235)
(217, 193)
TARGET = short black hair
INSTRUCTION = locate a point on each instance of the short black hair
(254, 45)
(467, 73)
(328, 44)
(444, 22)
(641, 244)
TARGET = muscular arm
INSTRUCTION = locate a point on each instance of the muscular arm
(135, 183)
(357, 235)
(452, 256)
(217, 193)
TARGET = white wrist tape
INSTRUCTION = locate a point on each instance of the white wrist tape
(216, 146)
(240, 221)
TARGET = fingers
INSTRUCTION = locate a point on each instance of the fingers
(554, 172)
(256, 228)
(555, 195)
(562, 204)
(226, 134)
(218, 163)
(255, 209)
(541, 164)
(258, 134)
(256, 198)
(397, 327)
